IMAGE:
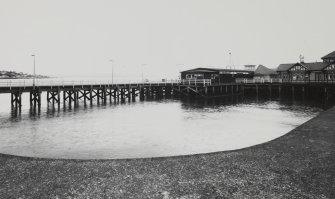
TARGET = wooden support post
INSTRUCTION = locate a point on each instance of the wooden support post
(122, 94)
(48, 98)
(16, 100)
(129, 93)
(53, 98)
(39, 100)
(98, 95)
(141, 93)
(104, 100)
(133, 92)
(114, 94)
(69, 95)
(149, 91)
(30, 99)
(118, 93)
(110, 95)
(20, 100)
(12, 100)
(64, 98)
(58, 95)
(91, 97)
(84, 95)
(35, 99)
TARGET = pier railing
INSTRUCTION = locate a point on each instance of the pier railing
(277, 80)
(202, 82)
(259, 81)
(62, 83)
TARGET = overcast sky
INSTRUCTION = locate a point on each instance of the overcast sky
(160, 37)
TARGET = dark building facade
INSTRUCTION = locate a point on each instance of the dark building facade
(216, 75)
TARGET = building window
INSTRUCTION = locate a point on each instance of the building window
(213, 76)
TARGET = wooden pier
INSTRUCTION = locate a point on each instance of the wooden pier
(71, 95)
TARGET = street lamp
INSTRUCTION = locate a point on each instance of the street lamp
(34, 72)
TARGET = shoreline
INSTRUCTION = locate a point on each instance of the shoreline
(298, 164)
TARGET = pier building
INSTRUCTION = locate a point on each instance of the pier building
(309, 72)
(265, 73)
(216, 75)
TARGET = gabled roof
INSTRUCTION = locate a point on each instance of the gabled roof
(313, 66)
(329, 56)
(284, 67)
(262, 70)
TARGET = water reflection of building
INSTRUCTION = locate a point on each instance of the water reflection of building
(216, 75)
(313, 71)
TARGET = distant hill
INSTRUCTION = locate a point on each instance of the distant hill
(16, 75)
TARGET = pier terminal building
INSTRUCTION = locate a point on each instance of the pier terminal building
(292, 72)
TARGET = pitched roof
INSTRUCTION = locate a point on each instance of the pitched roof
(262, 70)
(310, 66)
(330, 55)
(215, 70)
(284, 67)
(315, 65)
(202, 70)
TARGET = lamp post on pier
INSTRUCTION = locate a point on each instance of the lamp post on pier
(34, 72)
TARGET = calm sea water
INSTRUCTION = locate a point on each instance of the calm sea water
(155, 128)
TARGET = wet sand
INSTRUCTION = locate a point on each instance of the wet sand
(300, 164)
